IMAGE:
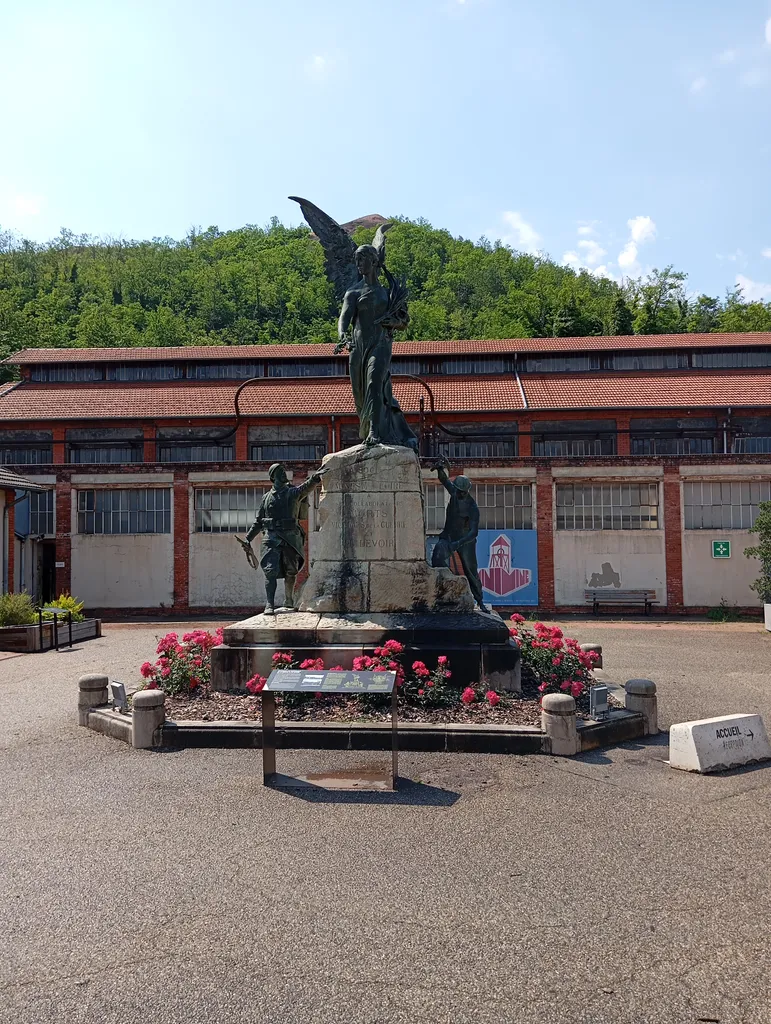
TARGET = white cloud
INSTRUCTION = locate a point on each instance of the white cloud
(26, 205)
(572, 259)
(766, 253)
(585, 229)
(523, 236)
(698, 85)
(768, 31)
(642, 229)
(753, 291)
(727, 57)
(627, 258)
(317, 67)
(754, 77)
(593, 251)
(737, 256)
(603, 272)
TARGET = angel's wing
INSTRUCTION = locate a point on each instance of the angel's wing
(379, 242)
(338, 246)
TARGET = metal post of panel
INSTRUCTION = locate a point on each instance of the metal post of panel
(268, 737)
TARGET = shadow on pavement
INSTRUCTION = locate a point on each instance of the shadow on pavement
(412, 793)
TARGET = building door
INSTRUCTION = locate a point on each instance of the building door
(47, 572)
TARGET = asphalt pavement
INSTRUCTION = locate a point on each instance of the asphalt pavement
(172, 887)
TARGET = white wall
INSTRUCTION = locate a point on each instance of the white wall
(706, 579)
(636, 555)
(123, 570)
(220, 576)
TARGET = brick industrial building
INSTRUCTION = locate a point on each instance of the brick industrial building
(597, 462)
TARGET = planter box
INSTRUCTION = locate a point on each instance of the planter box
(26, 639)
(767, 616)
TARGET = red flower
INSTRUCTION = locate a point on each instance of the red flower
(152, 685)
(420, 693)
(256, 683)
(146, 670)
(166, 672)
(318, 695)
(194, 682)
(469, 695)
(492, 698)
(442, 659)
(394, 647)
(420, 669)
(517, 618)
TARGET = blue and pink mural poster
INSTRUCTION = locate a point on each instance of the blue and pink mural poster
(508, 565)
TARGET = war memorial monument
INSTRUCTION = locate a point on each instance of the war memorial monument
(369, 579)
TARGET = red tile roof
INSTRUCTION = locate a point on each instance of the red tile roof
(194, 399)
(216, 353)
(651, 390)
(324, 397)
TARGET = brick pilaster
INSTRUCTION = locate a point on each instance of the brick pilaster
(181, 526)
(525, 441)
(673, 538)
(148, 448)
(58, 436)
(545, 526)
(63, 537)
(622, 437)
(242, 443)
(10, 496)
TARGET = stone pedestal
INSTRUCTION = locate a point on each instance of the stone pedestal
(370, 582)
(370, 552)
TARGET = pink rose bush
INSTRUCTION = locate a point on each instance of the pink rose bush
(183, 665)
(557, 661)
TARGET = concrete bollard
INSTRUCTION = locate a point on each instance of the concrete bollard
(147, 718)
(92, 693)
(641, 698)
(597, 648)
(558, 721)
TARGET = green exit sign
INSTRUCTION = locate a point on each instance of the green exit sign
(721, 548)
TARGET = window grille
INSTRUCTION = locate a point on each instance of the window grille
(752, 446)
(737, 358)
(13, 455)
(41, 513)
(98, 454)
(304, 368)
(723, 505)
(134, 371)
(504, 506)
(292, 452)
(481, 449)
(196, 453)
(607, 506)
(225, 371)
(673, 445)
(128, 510)
(66, 374)
(226, 509)
(435, 504)
(560, 447)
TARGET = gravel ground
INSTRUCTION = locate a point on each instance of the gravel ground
(137, 886)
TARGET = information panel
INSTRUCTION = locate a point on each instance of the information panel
(283, 680)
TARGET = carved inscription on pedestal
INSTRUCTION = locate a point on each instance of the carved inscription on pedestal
(369, 527)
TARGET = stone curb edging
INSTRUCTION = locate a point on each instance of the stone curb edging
(560, 734)
(413, 736)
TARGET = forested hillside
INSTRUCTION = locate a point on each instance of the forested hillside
(265, 285)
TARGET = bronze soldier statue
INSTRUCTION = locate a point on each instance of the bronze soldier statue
(282, 552)
(461, 526)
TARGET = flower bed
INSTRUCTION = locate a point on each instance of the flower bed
(550, 663)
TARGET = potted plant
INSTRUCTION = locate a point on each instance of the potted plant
(762, 551)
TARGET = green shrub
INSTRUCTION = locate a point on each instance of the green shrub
(67, 603)
(17, 610)
(723, 613)
(762, 527)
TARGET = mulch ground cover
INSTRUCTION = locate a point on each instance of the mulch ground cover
(514, 709)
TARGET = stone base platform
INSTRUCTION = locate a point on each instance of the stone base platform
(477, 644)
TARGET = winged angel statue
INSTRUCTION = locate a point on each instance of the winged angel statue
(374, 313)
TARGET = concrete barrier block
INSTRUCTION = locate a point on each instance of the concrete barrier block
(715, 744)
(92, 693)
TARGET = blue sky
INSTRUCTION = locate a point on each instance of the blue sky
(612, 135)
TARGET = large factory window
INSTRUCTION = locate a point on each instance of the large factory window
(723, 505)
(128, 510)
(501, 506)
(607, 506)
(226, 509)
(41, 513)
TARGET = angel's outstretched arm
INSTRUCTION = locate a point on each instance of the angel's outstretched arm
(347, 314)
